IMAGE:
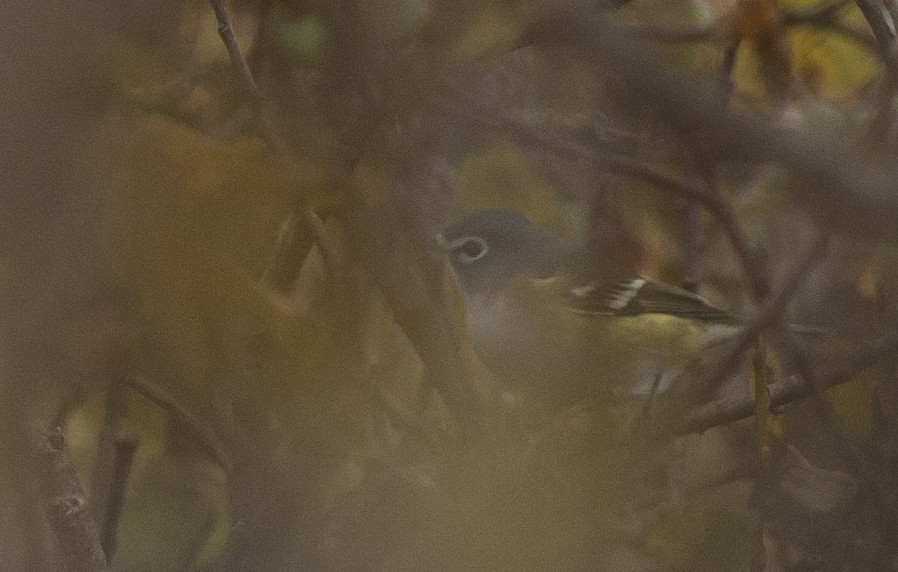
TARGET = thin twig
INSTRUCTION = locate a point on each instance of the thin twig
(688, 189)
(832, 422)
(692, 273)
(873, 13)
(330, 255)
(125, 447)
(104, 466)
(293, 248)
(417, 312)
(694, 231)
(226, 31)
(692, 390)
(204, 433)
(752, 267)
(290, 249)
(402, 419)
(884, 32)
(68, 512)
(844, 191)
(70, 520)
(729, 410)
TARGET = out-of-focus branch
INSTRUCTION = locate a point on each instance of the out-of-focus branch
(68, 511)
(385, 251)
(690, 390)
(694, 243)
(852, 198)
(226, 31)
(695, 238)
(728, 410)
(329, 253)
(402, 419)
(824, 16)
(104, 466)
(884, 34)
(125, 445)
(294, 243)
(206, 436)
(689, 189)
(680, 34)
(852, 450)
(414, 310)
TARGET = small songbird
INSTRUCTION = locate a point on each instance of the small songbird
(564, 324)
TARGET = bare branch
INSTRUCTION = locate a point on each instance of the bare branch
(851, 197)
(74, 528)
(226, 31)
(689, 189)
(832, 422)
(125, 447)
(104, 465)
(68, 512)
(692, 266)
(401, 418)
(329, 253)
(384, 250)
(688, 389)
(728, 410)
(204, 433)
(873, 13)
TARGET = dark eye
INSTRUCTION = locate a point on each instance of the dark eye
(469, 249)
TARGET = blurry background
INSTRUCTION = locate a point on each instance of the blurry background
(265, 259)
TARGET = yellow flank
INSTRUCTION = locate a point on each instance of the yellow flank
(545, 339)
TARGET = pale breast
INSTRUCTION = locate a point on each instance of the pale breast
(561, 355)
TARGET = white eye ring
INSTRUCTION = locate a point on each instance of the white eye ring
(469, 248)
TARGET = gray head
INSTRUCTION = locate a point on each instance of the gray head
(488, 248)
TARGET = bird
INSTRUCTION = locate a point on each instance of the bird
(561, 323)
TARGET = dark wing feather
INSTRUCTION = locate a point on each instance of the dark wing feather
(658, 298)
(629, 295)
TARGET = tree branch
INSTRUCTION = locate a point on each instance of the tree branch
(853, 198)
(226, 32)
(688, 389)
(68, 512)
(206, 436)
(782, 393)
(690, 190)
(125, 444)
(883, 499)
(104, 465)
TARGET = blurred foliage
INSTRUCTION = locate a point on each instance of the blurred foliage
(501, 178)
(197, 199)
(834, 67)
